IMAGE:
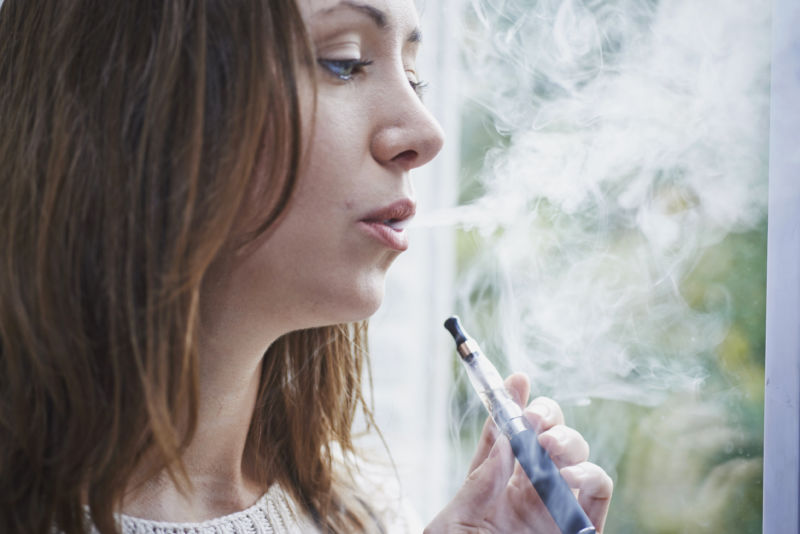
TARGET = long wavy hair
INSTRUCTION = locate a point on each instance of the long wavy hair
(131, 132)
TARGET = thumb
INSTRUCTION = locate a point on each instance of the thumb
(482, 487)
(487, 481)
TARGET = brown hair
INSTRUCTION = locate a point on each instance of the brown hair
(130, 136)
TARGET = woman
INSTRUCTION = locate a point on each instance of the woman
(201, 200)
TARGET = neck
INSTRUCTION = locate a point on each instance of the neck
(214, 460)
(236, 329)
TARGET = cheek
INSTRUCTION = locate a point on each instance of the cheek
(342, 130)
(315, 267)
(315, 271)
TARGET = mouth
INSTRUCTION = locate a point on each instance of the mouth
(397, 224)
(388, 224)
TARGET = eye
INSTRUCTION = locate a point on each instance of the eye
(344, 69)
(416, 84)
(419, 87)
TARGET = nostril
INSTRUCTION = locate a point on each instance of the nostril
(406, 157)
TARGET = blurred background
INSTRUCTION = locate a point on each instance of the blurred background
(598, 220)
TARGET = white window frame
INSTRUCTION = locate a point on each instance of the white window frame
(782, 389)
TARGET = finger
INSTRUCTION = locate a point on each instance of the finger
(519, 387)
(484, 484)
(565, 445)
(485, 443)
(544, 413)
(594, 490)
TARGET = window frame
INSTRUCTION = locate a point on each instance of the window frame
(782, 366)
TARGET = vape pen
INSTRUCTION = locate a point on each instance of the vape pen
(507, 415)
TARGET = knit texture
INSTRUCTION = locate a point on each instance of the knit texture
(274, 513)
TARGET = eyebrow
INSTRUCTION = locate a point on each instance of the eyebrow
(378, 16)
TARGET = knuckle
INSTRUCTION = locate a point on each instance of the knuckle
(553, 407)
(608, 482)
(601, 484)
(545, 412)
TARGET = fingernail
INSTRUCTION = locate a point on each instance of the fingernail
(575, 472)
(559, 434)
(541, 410)
(579, 469)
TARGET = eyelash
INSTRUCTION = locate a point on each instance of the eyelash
(419, 87)
(346, 69)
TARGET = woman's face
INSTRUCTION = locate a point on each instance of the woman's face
(326, 260)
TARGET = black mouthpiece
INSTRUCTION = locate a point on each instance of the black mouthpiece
(453, 325)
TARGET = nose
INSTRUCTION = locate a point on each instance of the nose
(407, 134)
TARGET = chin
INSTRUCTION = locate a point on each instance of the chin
(359, 303)
(345, 295)
(365, 308)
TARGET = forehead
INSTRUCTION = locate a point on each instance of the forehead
(399, 13)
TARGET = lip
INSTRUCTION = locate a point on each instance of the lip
(388, 224)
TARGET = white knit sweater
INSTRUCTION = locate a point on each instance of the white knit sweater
(273, 513)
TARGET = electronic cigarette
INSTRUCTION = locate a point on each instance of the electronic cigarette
(507, 415)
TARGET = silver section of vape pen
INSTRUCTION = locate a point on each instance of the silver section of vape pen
(468, 347)
(487, 382)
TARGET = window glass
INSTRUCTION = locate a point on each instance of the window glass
(612, 239)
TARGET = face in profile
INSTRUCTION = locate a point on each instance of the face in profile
(326, 260)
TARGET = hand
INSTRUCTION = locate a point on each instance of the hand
(498, 497)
